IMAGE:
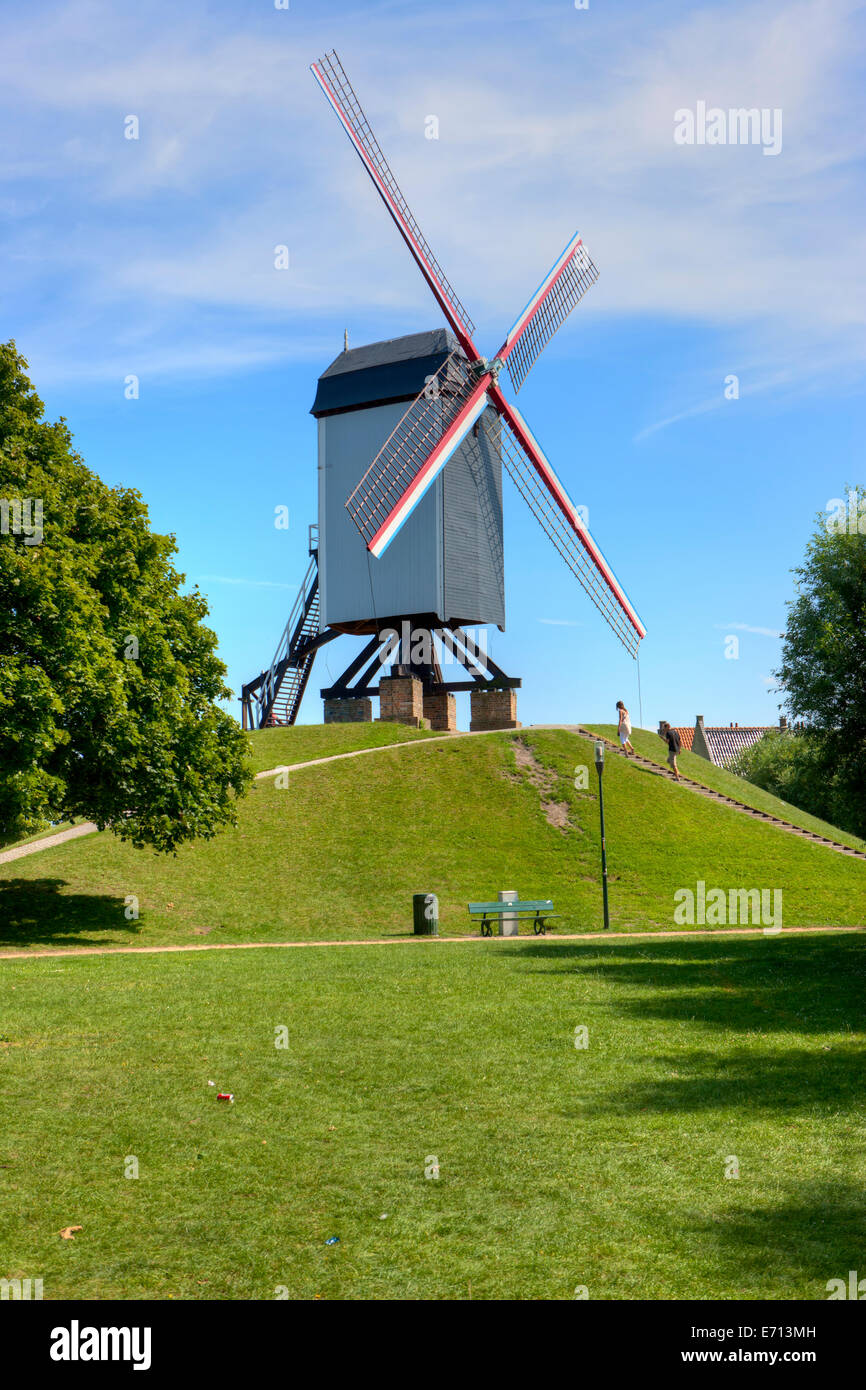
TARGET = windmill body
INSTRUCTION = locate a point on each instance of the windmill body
(446, 566)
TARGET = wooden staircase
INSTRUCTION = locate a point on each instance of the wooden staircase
(711, 795)
(275, 696)
(291, 686)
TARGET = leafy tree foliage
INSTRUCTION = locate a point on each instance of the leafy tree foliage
(108, 676)
(823, 677)
(792, 766)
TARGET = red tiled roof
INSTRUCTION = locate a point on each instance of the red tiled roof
(686, 736)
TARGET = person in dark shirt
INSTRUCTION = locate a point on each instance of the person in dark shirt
(674, 743)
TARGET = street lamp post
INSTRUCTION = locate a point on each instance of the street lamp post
(599, 762)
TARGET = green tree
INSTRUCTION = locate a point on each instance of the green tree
(792, 766)
(823, 670)
(108, 677)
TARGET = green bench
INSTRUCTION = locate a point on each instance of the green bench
(539, 911)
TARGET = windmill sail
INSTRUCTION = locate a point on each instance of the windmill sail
(457, 397)
(332, 79)
(554, 510)
(561, 289)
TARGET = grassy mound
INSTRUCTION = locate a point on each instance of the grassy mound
(339, 851)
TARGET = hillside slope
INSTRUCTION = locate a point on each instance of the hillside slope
(647, 743)
(339, 852)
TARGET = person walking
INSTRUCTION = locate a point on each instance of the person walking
(624, 729)
(674, 743)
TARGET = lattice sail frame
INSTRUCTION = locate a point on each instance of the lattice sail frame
(424, 440)
(559, 293)
(331, 77)
(416, 451)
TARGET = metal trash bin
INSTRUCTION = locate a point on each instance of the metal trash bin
(425, 914)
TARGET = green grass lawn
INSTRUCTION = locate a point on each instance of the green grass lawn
(649, 745)
(558, 1167)
(339, 852)
(302, 742)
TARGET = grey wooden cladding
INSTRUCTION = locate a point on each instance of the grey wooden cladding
(447, 560)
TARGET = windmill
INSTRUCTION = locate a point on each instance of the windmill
(436, 465)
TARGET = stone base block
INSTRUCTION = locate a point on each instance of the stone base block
(493, 709)
(349, 711)
(441, 711)
(401, 701)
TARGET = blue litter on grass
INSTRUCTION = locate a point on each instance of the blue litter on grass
(333, 1240)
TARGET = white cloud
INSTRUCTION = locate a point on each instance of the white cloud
(689, 414)
(224, 354)
(561, 125)
(746, 627)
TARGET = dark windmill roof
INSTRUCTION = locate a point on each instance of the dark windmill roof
(380, 373)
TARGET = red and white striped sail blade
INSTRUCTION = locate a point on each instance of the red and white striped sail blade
(416, 451)
(548, 500)
(332, 79)
(562, 288)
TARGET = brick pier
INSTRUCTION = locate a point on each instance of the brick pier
(493, 709)
(441, 710)
(349, 711)
(401, 701)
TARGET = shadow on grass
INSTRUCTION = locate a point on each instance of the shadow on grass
(796, 1080)
(35, 912)
(816, 1231)
(812, 1228)
(814, 987)
(797, 984)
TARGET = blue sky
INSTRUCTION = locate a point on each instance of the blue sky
(155, 257)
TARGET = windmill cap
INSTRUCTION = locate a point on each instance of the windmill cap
(395, 369)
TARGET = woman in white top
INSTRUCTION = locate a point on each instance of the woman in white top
(624, 729)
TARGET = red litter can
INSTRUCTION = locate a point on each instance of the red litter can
(226, 1095)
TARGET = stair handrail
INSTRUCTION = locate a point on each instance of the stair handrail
(284, 646)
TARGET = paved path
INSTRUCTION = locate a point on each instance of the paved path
(86, 828)
(379, 748)
(599, 937)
